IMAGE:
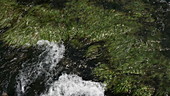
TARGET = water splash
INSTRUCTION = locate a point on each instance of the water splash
(73, 85)
(45, 63)
(44, 66)
(54, 52)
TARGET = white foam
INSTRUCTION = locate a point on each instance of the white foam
(55, 52)
(73, 85)
(46, 62)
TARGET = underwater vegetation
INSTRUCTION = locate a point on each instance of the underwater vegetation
(123, 40)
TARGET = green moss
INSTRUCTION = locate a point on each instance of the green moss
(76, 43)
(127, 58)
(10, 13)
(37, 24)
(93, 51)
(77, 19)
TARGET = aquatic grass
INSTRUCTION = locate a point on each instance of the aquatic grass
(127, 68)
(42, 22)
(31, 29)
(7, 15)
(127, 63)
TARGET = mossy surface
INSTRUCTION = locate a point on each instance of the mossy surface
(130, 61)
(80, 18)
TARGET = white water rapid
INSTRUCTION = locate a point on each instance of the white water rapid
(47, 61)
(73, 85)
(44, 66)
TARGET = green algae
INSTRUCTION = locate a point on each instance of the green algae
(77, 18)
(132, 41)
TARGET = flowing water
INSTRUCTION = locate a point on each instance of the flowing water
(40, 75)
(73, 85)
(45, 64)
(38, 71)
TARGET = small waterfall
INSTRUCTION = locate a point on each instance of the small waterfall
(73, 85)
(44, 65)
(43, 70)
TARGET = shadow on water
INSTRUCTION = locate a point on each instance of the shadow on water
(166, 36)
(11, 60)
(113, 4)
(74, 62)
(77, 61)
(2, 30)
(57, 4)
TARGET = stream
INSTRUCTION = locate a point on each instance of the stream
(43, 70)
(42, 74)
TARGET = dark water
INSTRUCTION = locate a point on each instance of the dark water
(31, 71)
(14, 61)
(11, 61)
